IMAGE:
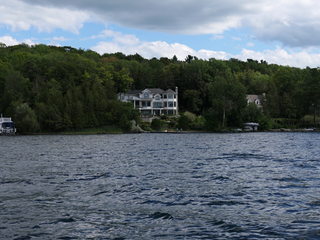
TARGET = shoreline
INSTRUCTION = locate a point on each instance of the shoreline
(98, 132)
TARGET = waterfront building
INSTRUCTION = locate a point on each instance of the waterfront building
(152, 101)
(250, 127)
(258, 100)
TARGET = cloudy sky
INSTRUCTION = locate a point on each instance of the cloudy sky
(285, 32)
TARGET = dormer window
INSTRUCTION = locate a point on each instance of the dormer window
(146, 95)
(157, 97)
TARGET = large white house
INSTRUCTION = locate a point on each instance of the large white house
(152, 101)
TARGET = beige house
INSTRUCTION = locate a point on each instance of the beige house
(258, 100)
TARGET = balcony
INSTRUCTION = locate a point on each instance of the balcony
(144, 107)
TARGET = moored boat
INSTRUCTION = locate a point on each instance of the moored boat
(7, 126)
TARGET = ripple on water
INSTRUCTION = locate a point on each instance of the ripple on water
(161, 215)
(161, 186)
(224, 202)
(64, 220)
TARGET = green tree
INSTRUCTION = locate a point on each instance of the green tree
(286, 80)
(122, 80)
(228, 100)
(193, 101)
(25, 118)
(251, 113)
(184, 122)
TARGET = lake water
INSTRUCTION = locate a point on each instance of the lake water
(160, 186)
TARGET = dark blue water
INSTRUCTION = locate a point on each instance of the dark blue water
(161, 186)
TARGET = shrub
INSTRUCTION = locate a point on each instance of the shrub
(156, 124)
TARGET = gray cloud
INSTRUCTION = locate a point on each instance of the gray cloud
(130, 44)
(22, 16)
(292, 22)
(293, 34)
(183, 16)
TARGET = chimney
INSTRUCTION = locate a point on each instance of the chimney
(177, 112)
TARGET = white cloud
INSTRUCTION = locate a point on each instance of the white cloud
(59, 39)
(126, 39)
(280, 56)
(184, 16)
(10, 41)
(23, 16)
(250, 44)
(130, 44)
(30, 42)
(292, 22)
(158, 49)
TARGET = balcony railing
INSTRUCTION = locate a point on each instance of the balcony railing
(4, 119)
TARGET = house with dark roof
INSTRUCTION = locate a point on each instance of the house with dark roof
(152, 101)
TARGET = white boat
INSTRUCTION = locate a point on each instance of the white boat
(7, 126)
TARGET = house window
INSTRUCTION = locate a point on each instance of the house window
(157, 105)
(146, 104)
(175, 104)
(170, 96)
(157, 97)
(170, 104)
(146, 95)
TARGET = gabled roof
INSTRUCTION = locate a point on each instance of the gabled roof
(253, 97)
(133, 92)
(155, 90)
(169, 91)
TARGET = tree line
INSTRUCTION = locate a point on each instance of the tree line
(50, 89)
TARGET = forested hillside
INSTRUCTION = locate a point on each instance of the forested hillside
(49, 89)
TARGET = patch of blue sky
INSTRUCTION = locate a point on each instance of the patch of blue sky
(235, 40)
(232, 41)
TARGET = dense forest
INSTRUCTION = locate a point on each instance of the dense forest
(50, 89)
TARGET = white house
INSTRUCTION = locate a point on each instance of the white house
(258, 100)
(152, 101)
